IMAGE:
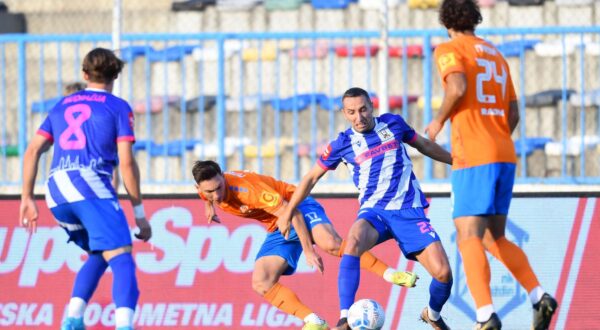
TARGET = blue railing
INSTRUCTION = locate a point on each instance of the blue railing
(266, 101)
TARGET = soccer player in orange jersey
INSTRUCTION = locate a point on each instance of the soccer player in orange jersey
(481, 103)
(263, 198)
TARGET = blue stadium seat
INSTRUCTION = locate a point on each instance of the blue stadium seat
(44, 105)
(171, 54)
(299, 102)
(514, 48)
(330, 103)
(171, 148)
(531, 144)
(129, 54)
(208, 102)
(330, 4)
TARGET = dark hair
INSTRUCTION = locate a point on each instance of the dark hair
(102, 65)
(205, 170)
(355, 92)
(460, 15)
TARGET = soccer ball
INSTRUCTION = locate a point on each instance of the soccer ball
(366, 314)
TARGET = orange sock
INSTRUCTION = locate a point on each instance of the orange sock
(287, 301)
(516, 261)
(368, 261)
(477, 270)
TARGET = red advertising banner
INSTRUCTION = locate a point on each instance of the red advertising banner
(194, 275)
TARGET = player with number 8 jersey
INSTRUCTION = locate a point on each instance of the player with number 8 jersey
(93, 131)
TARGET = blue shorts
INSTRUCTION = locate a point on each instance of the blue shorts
(482, 190)
(95, 224)
(409, 227)
(291, 249)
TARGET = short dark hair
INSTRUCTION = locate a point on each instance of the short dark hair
(74, 87)
(102, 65)
(356, 92)
(460, 15)
(205, 170)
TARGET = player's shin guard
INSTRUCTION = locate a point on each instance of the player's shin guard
(125, 289)
(348, 280)
(438, 294)
(86, 283)
(477, 270)
(515, 261)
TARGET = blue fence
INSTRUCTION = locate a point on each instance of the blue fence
(267, 101)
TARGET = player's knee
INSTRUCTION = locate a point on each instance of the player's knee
(261, 287)
(442, 273)
(331, 246)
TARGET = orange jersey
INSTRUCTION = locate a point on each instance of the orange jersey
(255, 196)
(480, 131)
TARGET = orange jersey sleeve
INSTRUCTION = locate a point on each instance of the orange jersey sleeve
(254, 196)
(480, 132)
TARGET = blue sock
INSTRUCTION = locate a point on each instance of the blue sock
(88, 277)
(125, 290)
(438, 294)
(348, 280)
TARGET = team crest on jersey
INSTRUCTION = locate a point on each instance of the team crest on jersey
(445, 61)
(269, 198)
(385, 134)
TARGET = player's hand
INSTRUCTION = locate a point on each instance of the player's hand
(314, 260)
(284, 224)
(28, 214)
(145, 230)
(433, 129)
(211, 215)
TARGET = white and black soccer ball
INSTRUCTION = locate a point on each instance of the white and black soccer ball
(366, 314)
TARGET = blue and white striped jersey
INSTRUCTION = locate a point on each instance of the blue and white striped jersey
(381, 168)
(86, 127)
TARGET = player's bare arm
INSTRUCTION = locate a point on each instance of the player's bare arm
(431, 149)
(513, 115)
(131, 180)
(309, 180)
(456, 87)
(28, 212)
(312, 258)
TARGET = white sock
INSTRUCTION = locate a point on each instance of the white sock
(387, 275)
(124, 317)
(433, 315)
(536, 294)
(343, 313)
(484, 313)
(313, 318)
(76, 307)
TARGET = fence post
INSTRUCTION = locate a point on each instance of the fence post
(22, 90)
(222, 160)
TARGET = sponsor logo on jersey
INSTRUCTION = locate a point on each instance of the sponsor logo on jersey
(269, 198)
(326, 152)
(446, 61)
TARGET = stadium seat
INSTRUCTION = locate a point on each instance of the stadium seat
(376, 4)
(411, 51)
(157, 103)
(530, 144)
(395, 101)
(573, 2)
(282, 4)
(208, 102)
(171, 54)
(172, 148)
(267, 53)
(130, 53)
(487, 3)
(513, 48)
(299, 102)
(423, 4)
(357, 51)
(436, 102)
(525, 2)
(330, 4)
(546, 98)
(330, 103)
(590, 98)
(247, 102)
(9, 150)
(554, 48)
(44, 105)
(191, 5)
(309, 52)
(211, 53)
(236, 5)
(555, 148)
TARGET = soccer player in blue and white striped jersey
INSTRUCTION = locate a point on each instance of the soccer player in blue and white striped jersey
(391, 201)
(92, 132)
